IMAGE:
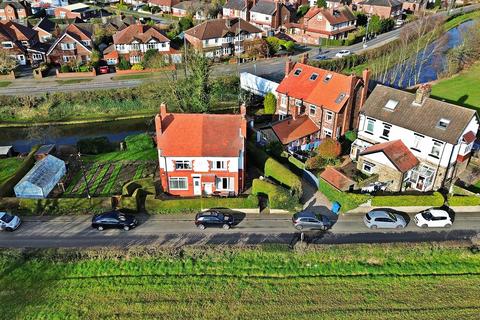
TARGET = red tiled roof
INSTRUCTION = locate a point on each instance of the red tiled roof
(111, 55)
(199, 135)
(17, 31)
(336, 179)
(333, 16)
(469, 137)
(290, 130)
(219, 28)
(165, 3)
(397, 152)
(139, 32)
(318, 92)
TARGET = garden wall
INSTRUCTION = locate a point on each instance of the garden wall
(9, 76)
(90, 74)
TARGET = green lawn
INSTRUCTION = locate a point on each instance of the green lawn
(462, 89)
(409, 281)
(145, 155)
(8, 167)
(72, 81)
(4, 84)
(137, 76)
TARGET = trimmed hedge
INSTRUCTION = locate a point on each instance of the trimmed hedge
(464, 201)
(58, 206)
(146, 184)
(95, 145)
(348, 201)
(6, 188)
(156, 206)
(139, 142)
(282, 174)
(279, 197)
(433, 200)
(256, 155)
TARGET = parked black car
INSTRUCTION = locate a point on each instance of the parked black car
(310, 220)
(213, 218)
(114, 219)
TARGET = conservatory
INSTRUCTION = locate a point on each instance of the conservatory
(41, 179)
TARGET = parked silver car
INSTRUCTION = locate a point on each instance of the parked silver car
(310, 220)
(9, 222)
(384, 218)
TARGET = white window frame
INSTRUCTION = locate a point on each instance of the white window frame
(219, 165)
(177, 180)
(372, 122)
(37, 56)
(283, 101)
(436, 149)
(183, 165)
(328, 116)
(312, 110)
(386, 128)
(7, 45)
(219, 183)
(417, 141)
(327, 133)
(369, 165)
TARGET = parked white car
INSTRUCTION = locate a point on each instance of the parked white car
(433, 218)
(9, 222)
(343, 53)
(384, 218)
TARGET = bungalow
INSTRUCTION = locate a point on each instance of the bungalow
(222, 37)
(314, 104)
(73, 45)
(201, 153)
(14, 10)
(270, 14)
(412, 141)
(321, 23)
(133, 41)
(383, 8)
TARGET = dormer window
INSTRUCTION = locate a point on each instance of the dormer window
(443, 123)
(328, 77)
(297, 72)
(314, 76)
(391, 104)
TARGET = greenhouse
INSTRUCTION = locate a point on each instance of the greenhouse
(41, 179)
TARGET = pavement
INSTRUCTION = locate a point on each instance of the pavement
(273, 68)
(178, 230)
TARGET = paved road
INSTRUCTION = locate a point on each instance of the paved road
(71, 231)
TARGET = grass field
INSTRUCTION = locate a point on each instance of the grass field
(409, 281)
(462, 89)
(8, 167)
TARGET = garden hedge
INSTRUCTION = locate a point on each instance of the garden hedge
(139, 142)
(58, 206)
(157, 206)
(282, 174)
(6, 188)
(146, 184)
(463, 201)
(278, 197)
(433, 200)
(348, 201)
(95, 145)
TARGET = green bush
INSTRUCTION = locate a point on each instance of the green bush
(282, 174)
(269, 103)
(463, 201)
(156, 206)
(302, 10)
(297, 163)
(139, 142)
(84, 68)
(137, 67)
(278, 197)
(350, 136)
(64, 68)
(124, 64)
(62, 206)
(348, 201)
(95, 145)
(432, 200)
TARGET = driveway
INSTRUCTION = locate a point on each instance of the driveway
(177, 230)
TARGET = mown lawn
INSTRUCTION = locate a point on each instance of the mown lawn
(146, 155)
(403, 281)
(462, 89)
(8, 167)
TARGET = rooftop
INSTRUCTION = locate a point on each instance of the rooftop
(219, 28)
(289, 130)
(397, 152)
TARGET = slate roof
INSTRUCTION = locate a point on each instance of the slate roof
(46, 25)
(235, 4)
(17, 5)
(421, 119)
(289, 130)
(397, 152)
(382, 3)
(265, 7)
(332, 94)
(201, 135)
(333, 16)
(139, 32)
(17, 31)
(218, 28)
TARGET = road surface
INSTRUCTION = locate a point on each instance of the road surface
(177, 230)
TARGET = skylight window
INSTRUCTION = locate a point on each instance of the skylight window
(340, 97)
(443, 123)
(314, 76)
(297, 72)
(328, 77)
(391, 104)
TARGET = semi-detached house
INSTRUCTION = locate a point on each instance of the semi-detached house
(73, 45)
(412, 141)
(201, 153)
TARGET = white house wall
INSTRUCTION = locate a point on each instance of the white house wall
(201, 164)
(257, 85)
(381, 158)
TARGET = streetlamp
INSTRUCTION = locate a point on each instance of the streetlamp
(366, 32)
(84, 176)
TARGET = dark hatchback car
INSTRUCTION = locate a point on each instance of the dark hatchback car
(309, 220)
(213, 218)
(114, 219)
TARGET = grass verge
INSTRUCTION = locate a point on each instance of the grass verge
(4, 84)
(136, 76)
(72, 81)
(336, 282)
(348, 201)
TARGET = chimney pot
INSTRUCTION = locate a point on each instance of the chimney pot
(288, 66)
(163, 110)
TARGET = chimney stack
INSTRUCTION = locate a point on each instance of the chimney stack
(304, 58)
(163, 110)
(159, 118)
(423, 92)
(288, 66)
(243, 110)
(366, 81)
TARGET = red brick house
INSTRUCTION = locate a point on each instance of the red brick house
(14, 10)
(383, 8)
(164, 5)
(73, 45)
(323, 23)
(18, 40)
(314, 104)
(46, 30)
(201, 153)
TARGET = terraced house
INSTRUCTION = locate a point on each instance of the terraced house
(314, 104)
(412, 141)
(201, 153)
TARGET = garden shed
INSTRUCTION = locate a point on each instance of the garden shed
(41, 179)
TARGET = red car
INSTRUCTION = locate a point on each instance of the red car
(103, 69)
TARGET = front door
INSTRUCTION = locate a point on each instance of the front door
(420, 182)
(197, 188)
(208, 188)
